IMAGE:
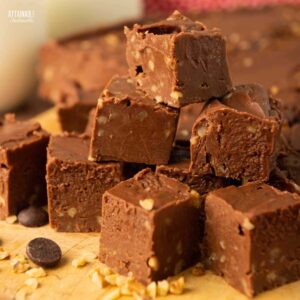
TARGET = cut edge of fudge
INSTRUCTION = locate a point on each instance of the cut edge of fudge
(132, 127)
(259, 120)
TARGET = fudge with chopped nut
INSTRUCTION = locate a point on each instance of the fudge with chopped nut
(151, 226)
(75, 185)
(252, 236)
(22, 165)
(178, 61)
(237, 138)
(132, 127)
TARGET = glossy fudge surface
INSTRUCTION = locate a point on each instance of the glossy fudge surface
(178, 61)
(252, 236)
(151, 226)
(23, 165)
(132, 127)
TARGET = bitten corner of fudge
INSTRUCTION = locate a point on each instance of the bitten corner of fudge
(23, 165)
(178, 61)
(132, 127)
(252, 236)
(237, 137)
(75, 185)
(150, 226)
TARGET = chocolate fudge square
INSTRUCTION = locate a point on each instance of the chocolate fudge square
(237, 138)
(178, 168)
(22, 165)
(150, 227)
(75, 185)
(132, 127)
(178, 61)
(252, 236)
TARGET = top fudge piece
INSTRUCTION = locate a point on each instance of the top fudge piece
(151, 226)
(252, 236)
(132, 127)
(23, 165)
(178, 61)
(238, 138)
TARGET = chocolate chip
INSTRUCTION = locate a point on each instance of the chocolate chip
(43, 252)
(33, 217)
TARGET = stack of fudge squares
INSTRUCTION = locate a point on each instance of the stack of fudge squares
(163, 204)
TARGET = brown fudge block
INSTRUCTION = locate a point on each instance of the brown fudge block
(132, 127)
(72, 71)
(178, 61)
(75, 185)
(150, 227)
(178, 168)
(238, 138)
(252, 236)
(22, 165)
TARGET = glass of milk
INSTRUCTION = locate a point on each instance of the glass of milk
(22, 30)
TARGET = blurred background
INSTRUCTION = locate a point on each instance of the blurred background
(45, 62)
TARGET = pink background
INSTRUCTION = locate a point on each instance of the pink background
(167, 6)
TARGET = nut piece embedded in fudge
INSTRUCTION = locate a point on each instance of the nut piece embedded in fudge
(178, 168)
(23, 165)
(150, 227)
(178, 61)
(132, 127)
(252, 236)
(238, 138)
(75, 185)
